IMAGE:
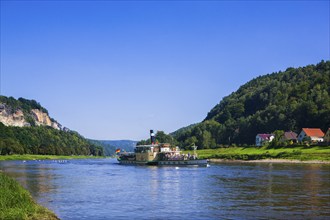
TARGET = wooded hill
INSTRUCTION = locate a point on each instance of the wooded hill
(289, 100)
(110, 146)
(34, 139)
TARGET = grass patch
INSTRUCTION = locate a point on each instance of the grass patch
(44, 157)
(321, 153)
(17, 203)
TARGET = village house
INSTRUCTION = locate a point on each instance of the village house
(311, 134)
(327, 136)
(261, 139)
(289, 136)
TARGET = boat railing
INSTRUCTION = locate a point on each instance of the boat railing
(175, 157)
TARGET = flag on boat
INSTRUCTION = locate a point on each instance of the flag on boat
(118, 150)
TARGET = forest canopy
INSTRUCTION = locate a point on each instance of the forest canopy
(44, 140)
(289, 101)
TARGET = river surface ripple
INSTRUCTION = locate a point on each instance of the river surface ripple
(102, 189)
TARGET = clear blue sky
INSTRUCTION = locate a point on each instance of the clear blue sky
(114, 70)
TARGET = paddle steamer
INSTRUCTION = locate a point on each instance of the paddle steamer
(160, 155)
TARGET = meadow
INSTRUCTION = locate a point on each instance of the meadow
(302, 153)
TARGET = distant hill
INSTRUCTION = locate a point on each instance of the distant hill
(26, 128)
(289, 100)
(110, 146)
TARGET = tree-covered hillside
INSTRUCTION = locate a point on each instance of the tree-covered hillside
(44, 140)
(289, 100)
(34, 139)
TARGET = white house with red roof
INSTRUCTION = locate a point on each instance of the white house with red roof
(261, 139)
(311, 134)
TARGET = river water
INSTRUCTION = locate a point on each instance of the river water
(103, 189)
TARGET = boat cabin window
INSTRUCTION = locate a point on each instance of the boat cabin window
(165, 149)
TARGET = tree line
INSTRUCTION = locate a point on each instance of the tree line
(25, 105)
(44, 140)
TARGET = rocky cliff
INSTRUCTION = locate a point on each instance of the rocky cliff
(21, 113)
(9, 118)
(42, 118)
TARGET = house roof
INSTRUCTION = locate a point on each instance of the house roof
(290, 135)
(265, 136)
(313, 132)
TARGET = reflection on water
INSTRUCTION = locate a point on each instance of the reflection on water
(274, 190)
(102, 189)
(36, 176)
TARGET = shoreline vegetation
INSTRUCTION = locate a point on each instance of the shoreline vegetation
(17, 203)
(295, 154)
(283, 161)
(45, 157)
(315, 154)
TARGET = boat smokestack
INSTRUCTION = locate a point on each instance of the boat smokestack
(152, 137)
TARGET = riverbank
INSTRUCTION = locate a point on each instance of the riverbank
(270, 161)
(17, 203)
(44, 157)
(316, 153)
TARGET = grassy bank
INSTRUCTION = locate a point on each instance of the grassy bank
(17, 203)
(321, 153)
(43, 157)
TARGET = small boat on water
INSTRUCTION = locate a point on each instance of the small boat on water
(159, 155)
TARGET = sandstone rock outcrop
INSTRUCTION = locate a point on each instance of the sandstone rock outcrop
(9, 118)
(17, 118)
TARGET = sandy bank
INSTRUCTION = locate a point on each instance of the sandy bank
(270, 161)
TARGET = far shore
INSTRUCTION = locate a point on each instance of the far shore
(46, 157)
(270, 160)
(211, 160)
